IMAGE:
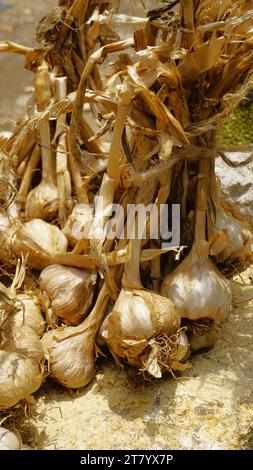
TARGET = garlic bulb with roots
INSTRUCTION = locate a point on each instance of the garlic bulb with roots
(20, 377)
(9, 440)
(37, 239)
(140, 327)
(196, 286)
(70, 350)
(42, 201)
(70, 290)
(18, 310)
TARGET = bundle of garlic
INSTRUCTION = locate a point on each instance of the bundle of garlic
(141, 123)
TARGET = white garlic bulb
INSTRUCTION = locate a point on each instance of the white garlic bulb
(197, 288)
(47, 236)
(42, 201)
(138, 318)
(79, 223)
(28, 313)
(20, 377)
(37, 239)
(203, 341)
(9, 440)
(70, 291)
(70, 351)
(23, 340)
(237, 231)
(70, 354)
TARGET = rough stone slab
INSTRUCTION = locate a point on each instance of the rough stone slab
(237, 182)
(210, 407)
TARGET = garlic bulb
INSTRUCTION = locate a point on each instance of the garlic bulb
(70, 350)
(197, 288)
(42, 201)
(23, 340)
(28, 313)
(79, 223)
(139, 317)
(204, 341)
(37, 239)
(70, 291)
(20, 377)
(237, 231)
(202, 334)
(9, 440)
(70, 355)
(47, 236)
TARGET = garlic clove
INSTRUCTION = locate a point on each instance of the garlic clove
(71, 355)
(198, 289)
(70, 290)
(20, 377)
(9, 440)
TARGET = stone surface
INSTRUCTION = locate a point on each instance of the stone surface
(237, 182)
(210, 406)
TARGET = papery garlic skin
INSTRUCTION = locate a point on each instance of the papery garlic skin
(23, 340)
(79, 223)
(198, 289)
(139, 315)
(9, 440)
(20, 377)
(71, 356)
(183, 348)
(47, 236)
(237, 232)
(28, 313)
(204, 341)
(42, 202)
(70, 291)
